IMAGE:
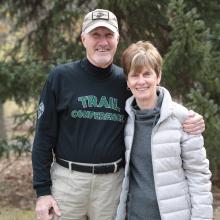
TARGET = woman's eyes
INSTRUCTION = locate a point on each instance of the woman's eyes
(134, 75)
(147, 74)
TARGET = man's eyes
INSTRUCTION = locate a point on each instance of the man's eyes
(110, 35)
(107, 35)
(95, 35)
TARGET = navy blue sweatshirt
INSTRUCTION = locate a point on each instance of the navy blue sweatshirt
(80, 118)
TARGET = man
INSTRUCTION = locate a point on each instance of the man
(80, 127)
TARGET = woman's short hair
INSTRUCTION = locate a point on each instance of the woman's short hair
(139, 55)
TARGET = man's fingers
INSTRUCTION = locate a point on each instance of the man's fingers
(191, 113)
(196, 119)
(200, 125)
(192, 129)
(42, 209)
(42, 212)
(45, 206)
(56, 209)
(194, 124)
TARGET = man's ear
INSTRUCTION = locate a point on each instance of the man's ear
(118, 37)
(83, 40)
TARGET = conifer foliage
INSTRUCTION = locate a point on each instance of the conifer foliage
(43, 33)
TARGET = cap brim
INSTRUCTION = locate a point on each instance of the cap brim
(101, 24)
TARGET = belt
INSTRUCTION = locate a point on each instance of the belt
(92, 168)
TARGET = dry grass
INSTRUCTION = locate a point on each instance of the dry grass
(16, 214)
(16, 183)
(17, 198)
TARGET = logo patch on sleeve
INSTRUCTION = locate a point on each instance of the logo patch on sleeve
(40, 110)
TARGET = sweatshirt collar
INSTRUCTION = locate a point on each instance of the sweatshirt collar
(94, 71)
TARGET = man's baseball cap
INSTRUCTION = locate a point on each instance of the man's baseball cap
(100, 18)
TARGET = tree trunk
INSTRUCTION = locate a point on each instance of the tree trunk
(2, 122)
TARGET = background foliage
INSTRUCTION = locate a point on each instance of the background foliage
(43, 33)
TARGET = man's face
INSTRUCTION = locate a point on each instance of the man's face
(101, 44)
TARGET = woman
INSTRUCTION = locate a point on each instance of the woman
(167, 174)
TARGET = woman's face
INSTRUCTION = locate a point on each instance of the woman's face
(143, 86)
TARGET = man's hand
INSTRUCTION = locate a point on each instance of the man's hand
(194, 124)
(46, 208)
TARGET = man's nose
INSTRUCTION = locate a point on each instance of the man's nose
(103, 41)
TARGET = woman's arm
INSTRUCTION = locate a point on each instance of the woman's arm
(196, 167)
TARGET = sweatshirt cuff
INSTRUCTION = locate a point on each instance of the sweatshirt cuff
(43, 191)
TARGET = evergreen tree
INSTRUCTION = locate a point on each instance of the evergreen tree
(191, 71)
(186, 33)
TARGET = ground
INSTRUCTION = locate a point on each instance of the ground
(17, 197)
(15, 183)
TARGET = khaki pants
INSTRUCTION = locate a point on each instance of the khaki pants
(82, 196)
